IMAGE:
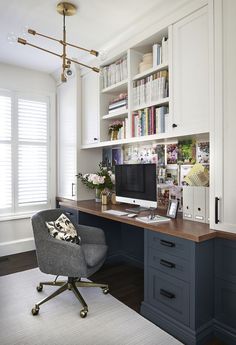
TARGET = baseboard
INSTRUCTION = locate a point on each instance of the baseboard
(177, 329)
(224, 333)
(18, 246)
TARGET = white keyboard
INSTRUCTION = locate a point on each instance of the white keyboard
(116, 213)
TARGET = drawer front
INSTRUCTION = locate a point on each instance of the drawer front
(225, 302)
(169, 244)
(71, 213)
(225, 259)
(170, 264)
(169, 295)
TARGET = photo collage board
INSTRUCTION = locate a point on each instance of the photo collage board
(174, 162)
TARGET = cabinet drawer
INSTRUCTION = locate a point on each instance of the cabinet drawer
(225, 259)
(169, 295)
(169, 244)
(71, 213)
(170, 264)
(225, 302)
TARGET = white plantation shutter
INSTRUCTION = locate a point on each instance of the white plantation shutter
(24, 147)
(5, 154)
(32, 152)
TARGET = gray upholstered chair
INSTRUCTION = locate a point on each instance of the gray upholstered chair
(68, 259)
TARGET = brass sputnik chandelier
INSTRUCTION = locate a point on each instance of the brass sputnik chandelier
(65, 9)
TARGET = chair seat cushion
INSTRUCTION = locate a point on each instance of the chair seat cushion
(63, 229)
(94, 253)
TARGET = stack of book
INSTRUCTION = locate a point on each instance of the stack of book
(160, 52)
(147, 121)
(150, 89)
(115, 72)
(119, 104)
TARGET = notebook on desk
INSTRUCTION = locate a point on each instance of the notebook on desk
(156, 219)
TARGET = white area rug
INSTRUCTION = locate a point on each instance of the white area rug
(109, 322)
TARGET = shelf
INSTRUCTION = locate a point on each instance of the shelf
(160, 102)
(150, 71)
(115, 115)
(118, 87)
(161, 137)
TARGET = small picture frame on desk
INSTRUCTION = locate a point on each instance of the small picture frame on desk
(172, 208)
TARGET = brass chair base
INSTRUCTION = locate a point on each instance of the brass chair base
(71, 284)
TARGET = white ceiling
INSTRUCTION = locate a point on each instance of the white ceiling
(95, 24)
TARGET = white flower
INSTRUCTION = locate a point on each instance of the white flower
(113, 178)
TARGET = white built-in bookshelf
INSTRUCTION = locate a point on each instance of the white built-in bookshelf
(150, 88)
(132, 86)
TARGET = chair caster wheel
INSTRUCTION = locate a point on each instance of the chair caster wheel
(35, 310)
(39, 288)
(83, 313)
(105, 291)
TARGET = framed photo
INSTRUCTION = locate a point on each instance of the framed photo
(172, 208)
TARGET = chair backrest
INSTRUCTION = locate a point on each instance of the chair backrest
(41, 233)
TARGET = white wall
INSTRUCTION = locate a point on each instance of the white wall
(16, 235)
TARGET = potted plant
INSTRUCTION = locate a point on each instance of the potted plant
(102, 180)
(114, 129)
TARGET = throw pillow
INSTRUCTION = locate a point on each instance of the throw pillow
(63, 229)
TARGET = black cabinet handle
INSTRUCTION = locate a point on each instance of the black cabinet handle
(69, 213)
(72, 189)
(217, 210)
(174, 125)
(167, 243)
(167, 263)
(167, 294)
(95, 139)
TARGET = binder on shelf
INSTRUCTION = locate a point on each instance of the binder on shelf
(188, 208)
(199, 201)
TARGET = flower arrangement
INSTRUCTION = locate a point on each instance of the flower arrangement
(115, 126)
(103, 178)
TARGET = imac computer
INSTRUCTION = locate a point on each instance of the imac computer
(136, 184)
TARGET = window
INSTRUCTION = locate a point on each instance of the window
(24, 153)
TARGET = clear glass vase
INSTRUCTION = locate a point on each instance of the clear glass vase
(98, 195)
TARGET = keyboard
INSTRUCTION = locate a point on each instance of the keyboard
(116, 213)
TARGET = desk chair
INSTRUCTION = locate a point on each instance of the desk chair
(62, 258)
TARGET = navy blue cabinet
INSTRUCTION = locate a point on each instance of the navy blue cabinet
(179, 286)
(225, 290)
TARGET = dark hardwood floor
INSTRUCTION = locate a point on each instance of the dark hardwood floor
(125, 281)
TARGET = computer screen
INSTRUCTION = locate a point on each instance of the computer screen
(136, 184)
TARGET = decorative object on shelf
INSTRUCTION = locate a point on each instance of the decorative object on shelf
(172, 208)
(104, 195)
(98, 193)
(114, 129)
(102, 180)
(113, 198)
(65, 9)
(146, 63)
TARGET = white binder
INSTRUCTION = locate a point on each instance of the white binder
(199, 201)
(188, 207)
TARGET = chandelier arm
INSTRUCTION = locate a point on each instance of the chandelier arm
(91, 51)
(22, 41)
(33, 32)
(95, 69)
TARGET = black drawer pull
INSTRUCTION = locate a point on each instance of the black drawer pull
(167, 294)
(69, 213)
(167, 243)
(217, 210)
(167, 263)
